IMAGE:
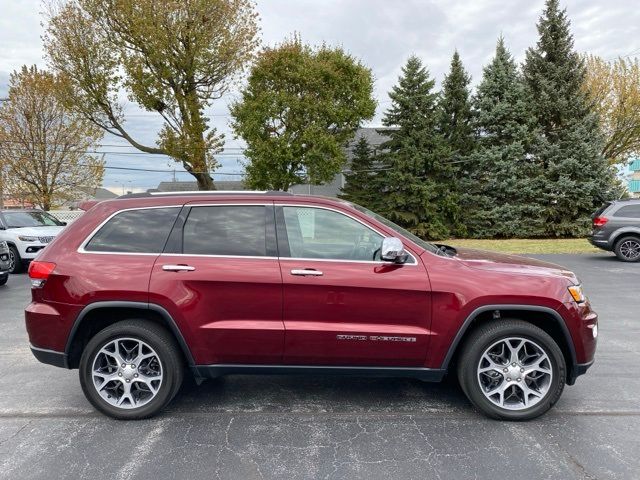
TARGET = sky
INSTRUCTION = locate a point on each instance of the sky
(380, 33)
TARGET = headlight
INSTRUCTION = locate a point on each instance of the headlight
(28, 239)
(577, 293)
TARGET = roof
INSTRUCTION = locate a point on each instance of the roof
(193, 186)
(99, 193)
(635, 165)
(374, 137)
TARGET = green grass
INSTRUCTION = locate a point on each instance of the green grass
(531, 246)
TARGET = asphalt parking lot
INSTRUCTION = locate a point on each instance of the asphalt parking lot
(328, 427)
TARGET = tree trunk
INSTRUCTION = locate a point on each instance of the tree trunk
(205, 182)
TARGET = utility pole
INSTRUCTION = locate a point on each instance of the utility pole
(2, 173)
(1, 185)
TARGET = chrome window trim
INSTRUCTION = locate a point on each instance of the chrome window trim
(322, 207)
(82, 249)
(207, 255)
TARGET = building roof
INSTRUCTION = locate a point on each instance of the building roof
(375, 136)
(99, 193)
(193, 186)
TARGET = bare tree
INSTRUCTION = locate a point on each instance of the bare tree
(43, 147)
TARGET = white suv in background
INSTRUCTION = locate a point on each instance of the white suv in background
(26, 233)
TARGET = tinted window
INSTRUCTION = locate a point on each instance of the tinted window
(601, 210)
(629, 211)
(228, 230)
(135, 231)
(325, 234)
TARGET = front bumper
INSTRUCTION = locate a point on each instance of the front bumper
(28, 251)
(577, 370)
(582, 323)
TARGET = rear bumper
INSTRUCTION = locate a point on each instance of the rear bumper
(602, 243)
(50, 357)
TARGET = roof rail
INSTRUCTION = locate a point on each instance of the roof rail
(205, 192)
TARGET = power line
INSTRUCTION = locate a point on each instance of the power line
(106, 145)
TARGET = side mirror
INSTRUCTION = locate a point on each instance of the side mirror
(392, 250)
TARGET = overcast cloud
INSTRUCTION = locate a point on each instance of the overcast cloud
(382, 34)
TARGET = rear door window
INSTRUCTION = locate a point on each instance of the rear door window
(135, 231)
(628, 211)
(236, 230)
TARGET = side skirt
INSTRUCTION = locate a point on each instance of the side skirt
(214, 371)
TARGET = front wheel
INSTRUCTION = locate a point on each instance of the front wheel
(512, 370)
(131, 369)
(15, 262)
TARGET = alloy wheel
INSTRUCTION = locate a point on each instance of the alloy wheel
(127, 373)
(630, 249)
(12, 260)
(515, 373)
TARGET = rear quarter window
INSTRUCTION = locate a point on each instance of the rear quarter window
(628, 211)
(135, 231)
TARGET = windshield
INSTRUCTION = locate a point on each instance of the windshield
(30, 219)
(430, 247)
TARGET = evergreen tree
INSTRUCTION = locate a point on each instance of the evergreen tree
(360, 177)
(417, 185)
(568, 146)
(499, 194)
(455, 110)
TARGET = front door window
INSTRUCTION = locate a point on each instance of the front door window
(316, 233)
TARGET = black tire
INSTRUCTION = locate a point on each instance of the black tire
(3, 280)
(164, 345)
(488, 334)
(17, 261)
(622, 252)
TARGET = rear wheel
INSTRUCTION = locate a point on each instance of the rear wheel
(628, 249)
(131, 369)
(512, 370)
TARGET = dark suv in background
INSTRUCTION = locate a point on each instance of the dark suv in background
(267, 282)
(616, 228)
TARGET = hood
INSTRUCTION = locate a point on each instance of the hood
(37, 231)
(502, 262)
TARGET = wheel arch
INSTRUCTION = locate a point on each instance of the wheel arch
(99, 315)
(624, 232)
(545, 318)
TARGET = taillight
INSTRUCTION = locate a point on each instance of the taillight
(600, 222)
(39, 272)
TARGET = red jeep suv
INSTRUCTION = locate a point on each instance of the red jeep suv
(142, 286)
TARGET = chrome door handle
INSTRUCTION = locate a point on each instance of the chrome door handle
(178, 268)
(304, 273)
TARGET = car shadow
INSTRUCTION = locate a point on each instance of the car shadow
(319, 394)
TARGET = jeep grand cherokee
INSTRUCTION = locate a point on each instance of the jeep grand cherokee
(143, 286)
